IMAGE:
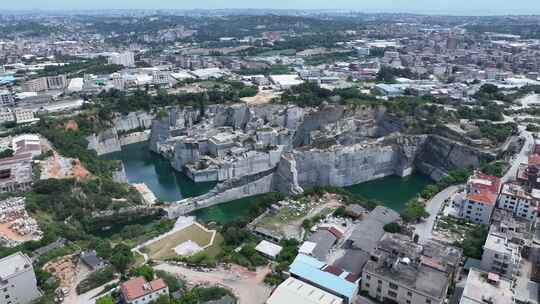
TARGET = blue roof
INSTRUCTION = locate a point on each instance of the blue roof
(309, 269)
(6, 79)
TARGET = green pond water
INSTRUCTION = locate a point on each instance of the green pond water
(141, 165)
(392, 191)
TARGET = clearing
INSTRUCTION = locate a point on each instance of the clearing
(163, 248)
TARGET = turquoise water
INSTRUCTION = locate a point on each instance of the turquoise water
(226, 213)
(142, 165)
(392, 191)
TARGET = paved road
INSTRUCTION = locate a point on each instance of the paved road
(521, 157)
(433, 206)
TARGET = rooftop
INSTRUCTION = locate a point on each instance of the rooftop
(299, 292)
(14, 264)
(417, 276)
(269, 249)
(478, 289)
(481, 181)
(484, 197)
(138, 287)
(316, 272)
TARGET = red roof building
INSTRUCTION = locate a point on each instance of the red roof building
(479, 182)
(138, 291)
(484, 197)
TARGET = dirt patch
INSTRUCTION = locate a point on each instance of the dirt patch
(60, 167)
(71, 125)
(64, 269)
(246, 285)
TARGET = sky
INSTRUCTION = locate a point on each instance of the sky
(466, 7)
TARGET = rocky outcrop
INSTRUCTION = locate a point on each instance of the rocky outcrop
(440, 155)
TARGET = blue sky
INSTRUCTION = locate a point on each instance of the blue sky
(474, 7)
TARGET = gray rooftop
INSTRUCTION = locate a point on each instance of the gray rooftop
(418, 277)
(324, 240)
(367, 234)
(353, 261)
(13, 264)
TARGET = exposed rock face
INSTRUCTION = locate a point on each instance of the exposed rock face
(440, 155)
(108, 141)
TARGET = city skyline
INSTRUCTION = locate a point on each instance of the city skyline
(450, 7)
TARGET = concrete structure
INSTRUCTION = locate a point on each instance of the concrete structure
(126, 59)
(482, 287)
(404, 281)
(286, 81)
(138, 291)
(516, 199)
(16, 173)
(268, 249)
(18, 284)
(36, 85)
(24, 115)
(500, 255)
(299, 292)
(56, 82)
(6, 98)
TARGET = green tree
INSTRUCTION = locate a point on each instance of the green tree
(105, 300)
(143, 271)
(392, 228)
(414, 211)
(122, 257)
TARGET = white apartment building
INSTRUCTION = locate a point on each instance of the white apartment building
(500, 255)
(126, 59)
(23, 115)
(56, 82)
(478, 207)
(18, 284)
(522, 204)
(161, 78)
(36, 85)
(6, 98)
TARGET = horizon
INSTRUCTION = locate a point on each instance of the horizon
(421, 7)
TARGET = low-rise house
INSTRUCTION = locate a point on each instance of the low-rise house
(92, 260)
(18, 284)
(269, 250)
(138, 291)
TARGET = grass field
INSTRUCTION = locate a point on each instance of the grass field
(164, 248)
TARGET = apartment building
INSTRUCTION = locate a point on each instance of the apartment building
(404, 281)
(6, 98)
(500, 255)
(126, 59)
(18, 284)
(515, 198)
(479, 200)
(401, 271)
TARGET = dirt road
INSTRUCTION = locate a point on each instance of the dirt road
(247, 285)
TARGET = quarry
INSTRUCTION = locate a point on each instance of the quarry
(253, 149)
